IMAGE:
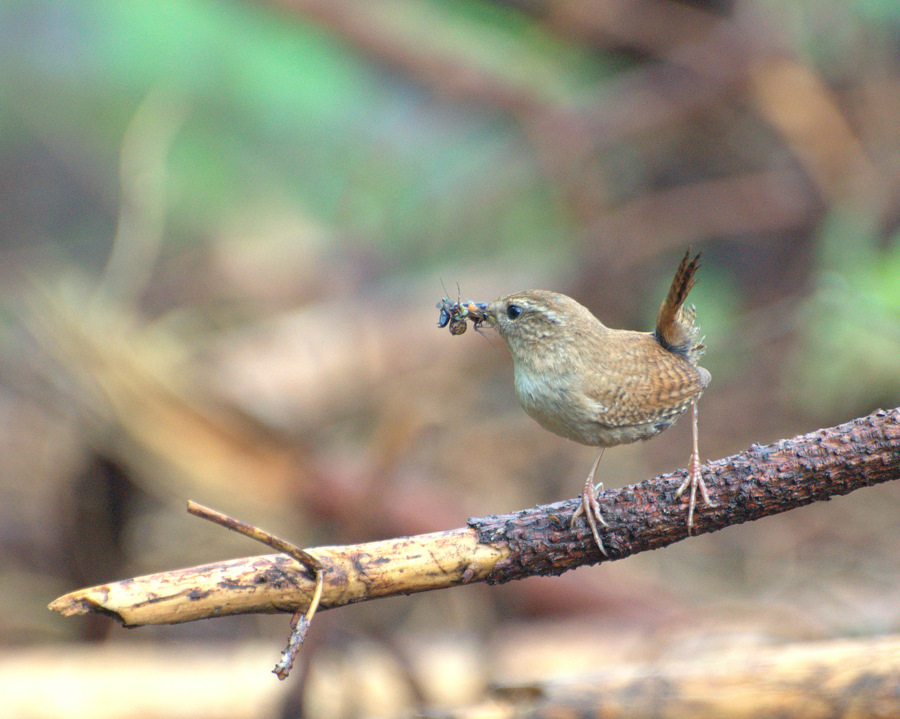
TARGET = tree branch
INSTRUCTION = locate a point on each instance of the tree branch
(762, 481)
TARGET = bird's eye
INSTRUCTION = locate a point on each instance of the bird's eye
(514, 312)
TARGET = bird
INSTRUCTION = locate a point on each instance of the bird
(604, 387)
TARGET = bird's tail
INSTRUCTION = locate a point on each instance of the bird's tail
(676, 327)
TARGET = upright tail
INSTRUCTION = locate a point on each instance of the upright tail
(676, 328)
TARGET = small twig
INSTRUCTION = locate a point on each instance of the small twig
(300, 622)
(299, 626)
(256, 533)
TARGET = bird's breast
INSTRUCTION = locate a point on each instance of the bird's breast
(537, 391)
(557, 401)
(554, 401)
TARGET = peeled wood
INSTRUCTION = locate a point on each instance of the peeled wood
(761, 481)
(277, 583)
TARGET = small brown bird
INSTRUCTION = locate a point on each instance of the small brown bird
(600, 386)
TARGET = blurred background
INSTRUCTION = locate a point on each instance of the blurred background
(223, 231)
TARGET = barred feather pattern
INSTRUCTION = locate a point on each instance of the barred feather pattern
(676, 324)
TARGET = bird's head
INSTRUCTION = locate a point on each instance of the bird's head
(538, 317)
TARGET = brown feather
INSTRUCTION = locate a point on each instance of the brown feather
(596, 385)
(600, 386)
(676, 329)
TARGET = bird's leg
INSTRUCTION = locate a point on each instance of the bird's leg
(590, 506)
(694, 477)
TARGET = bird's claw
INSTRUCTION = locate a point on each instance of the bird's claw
(694, 480)
(590, 508)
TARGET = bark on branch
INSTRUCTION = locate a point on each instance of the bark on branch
(758, 482)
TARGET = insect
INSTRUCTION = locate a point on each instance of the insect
(456, 314)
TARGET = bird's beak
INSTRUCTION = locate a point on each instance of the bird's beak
(482, 307)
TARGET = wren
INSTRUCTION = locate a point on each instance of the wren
(600, 386)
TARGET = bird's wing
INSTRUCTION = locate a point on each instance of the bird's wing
(642, 382)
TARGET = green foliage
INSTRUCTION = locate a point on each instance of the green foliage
(284, 118)
(850, 354)
(280, 112)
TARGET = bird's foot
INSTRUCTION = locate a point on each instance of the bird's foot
(590, 508)
(694, 480)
